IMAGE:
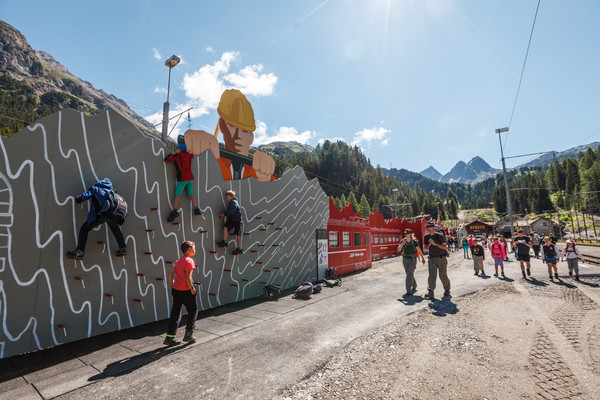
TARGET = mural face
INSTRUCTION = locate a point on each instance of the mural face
(236, 139)
(47, 299)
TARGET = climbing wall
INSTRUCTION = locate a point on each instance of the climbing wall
(47, 299)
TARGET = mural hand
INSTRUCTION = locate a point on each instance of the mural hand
(199, 141)
(264, 165)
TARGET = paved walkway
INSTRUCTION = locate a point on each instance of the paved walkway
(244, 349)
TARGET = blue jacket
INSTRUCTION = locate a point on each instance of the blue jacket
(233, 211)
(99, 194)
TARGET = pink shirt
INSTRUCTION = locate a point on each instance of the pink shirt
(498, 250)
(181, 267)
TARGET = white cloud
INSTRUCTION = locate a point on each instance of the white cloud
(250, 81)
(369, 135)
(283, 134)
(159, 89)
(203, 88)
(210, 49)
(156, 54)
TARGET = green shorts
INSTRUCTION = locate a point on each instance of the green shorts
(187, 185)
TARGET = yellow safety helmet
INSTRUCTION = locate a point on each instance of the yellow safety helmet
(236, 110)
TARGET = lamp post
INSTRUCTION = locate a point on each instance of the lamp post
(395, 201)
(171, 62)
(508, 203)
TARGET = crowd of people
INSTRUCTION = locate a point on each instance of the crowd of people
(522, 245)
(437, 247)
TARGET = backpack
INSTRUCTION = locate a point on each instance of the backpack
(117, 209)
(331, 278)
(272, 292)
(304, 291)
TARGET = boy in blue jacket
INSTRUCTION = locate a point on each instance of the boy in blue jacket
(101, 194)
(233, 215)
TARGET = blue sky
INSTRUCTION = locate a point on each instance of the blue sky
(413, 82)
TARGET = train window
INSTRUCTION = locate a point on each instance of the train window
(365, 238)
(375, 239)
(381, 239)
(346, 239)
(356, 238)
(386, 238)
(333, 239)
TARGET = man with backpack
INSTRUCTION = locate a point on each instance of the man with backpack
(107, 207)
(409, 248)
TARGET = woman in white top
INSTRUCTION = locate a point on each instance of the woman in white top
(572, 254)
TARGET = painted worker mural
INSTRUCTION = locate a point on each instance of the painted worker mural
(236, 123)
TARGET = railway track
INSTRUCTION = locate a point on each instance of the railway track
(594, 260)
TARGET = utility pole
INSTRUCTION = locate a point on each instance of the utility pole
(508, 203)
(587, 198)
(583, 215)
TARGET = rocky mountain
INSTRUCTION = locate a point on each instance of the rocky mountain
(431, 173)
(40, 71)
(474, 171)
(292, 146)
(573, 152)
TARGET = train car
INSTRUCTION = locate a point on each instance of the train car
(349, 240)
(385, 236)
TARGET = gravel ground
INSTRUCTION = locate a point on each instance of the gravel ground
(518, 339)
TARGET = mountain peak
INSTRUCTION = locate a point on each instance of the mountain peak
(431, 173)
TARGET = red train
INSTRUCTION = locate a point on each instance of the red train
(354, 241)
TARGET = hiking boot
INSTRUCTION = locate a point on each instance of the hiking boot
(76, 254)
(482, 273)
(429, 295)
(496, 274)
(171, 341)
(524, 276)
(189, 337)
(121, 252)
(446, 293)
(570, 273)
(413, 290)
(576, 277)
(197, 211)
(529, 271)
(172, 215)
(550, 276)
(476, 273)
(556, 275)
(407, 294)
(222, 243)
(239, 250)
(504, 276)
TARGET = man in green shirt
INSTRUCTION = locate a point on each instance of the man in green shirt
(409, 248)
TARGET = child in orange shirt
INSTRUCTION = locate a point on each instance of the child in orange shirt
(184, 294)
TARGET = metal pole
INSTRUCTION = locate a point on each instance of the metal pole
(165, 123)
(572, 226)
(587, 198)
(508, 203)
(583, 215)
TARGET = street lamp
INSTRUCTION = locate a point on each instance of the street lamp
(395, 201)
(508, 203)
(171, 62)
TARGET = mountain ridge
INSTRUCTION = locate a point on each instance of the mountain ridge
(38, 69)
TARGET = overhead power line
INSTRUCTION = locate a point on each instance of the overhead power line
(523, 69)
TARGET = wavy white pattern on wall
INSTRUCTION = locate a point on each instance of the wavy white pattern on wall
(47, 299)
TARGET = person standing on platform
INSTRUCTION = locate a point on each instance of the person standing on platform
(522, 244)
(572, 254)
(409, 248)
(435, 244)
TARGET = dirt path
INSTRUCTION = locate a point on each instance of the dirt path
(515, 340)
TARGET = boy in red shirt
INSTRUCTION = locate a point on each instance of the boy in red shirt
(185, 179)
(184, 293)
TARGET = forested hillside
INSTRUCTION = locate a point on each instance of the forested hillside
(571, 184)
(20, 105)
